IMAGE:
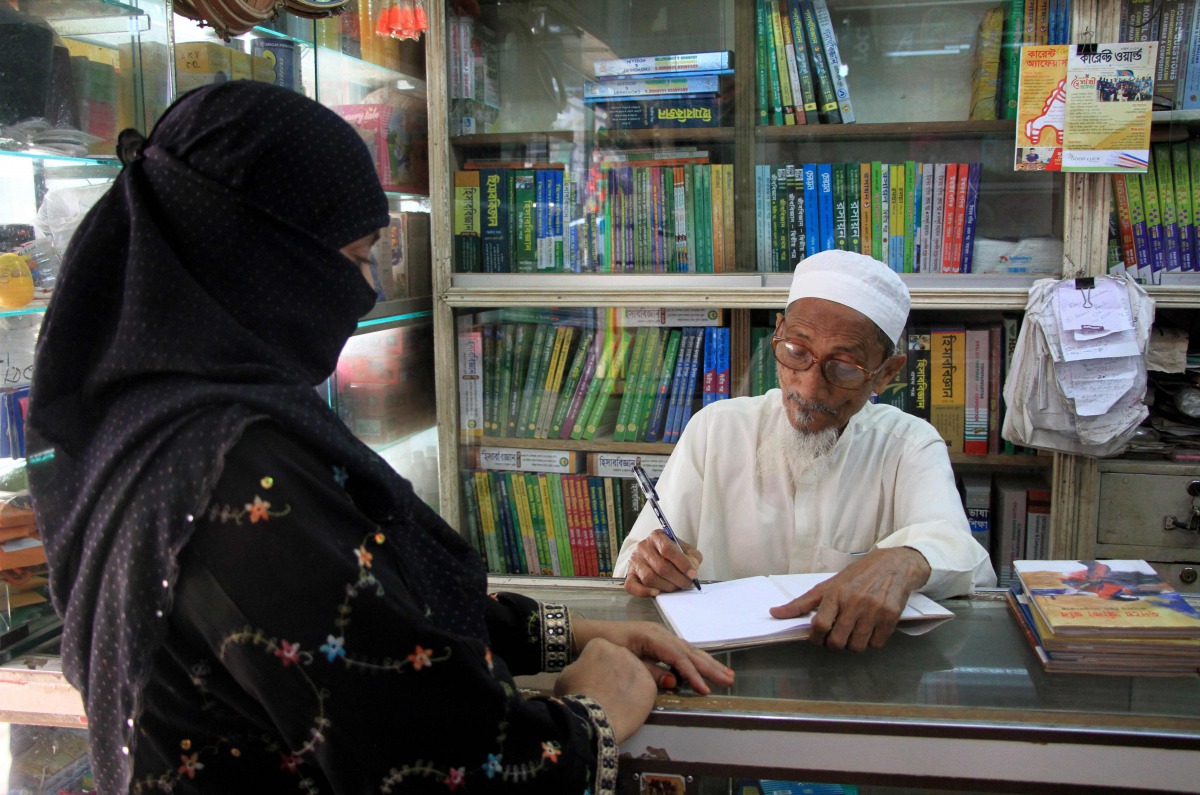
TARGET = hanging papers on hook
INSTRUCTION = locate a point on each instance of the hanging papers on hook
(1078, 373)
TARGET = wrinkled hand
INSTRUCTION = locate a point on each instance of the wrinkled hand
(616, 680)
(860, 605)
(653, 644)
(657, 565)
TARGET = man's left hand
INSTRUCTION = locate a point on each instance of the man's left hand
(860, 605)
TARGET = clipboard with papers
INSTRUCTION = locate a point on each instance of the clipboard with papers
(734, 614)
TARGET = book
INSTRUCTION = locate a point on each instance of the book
(771, 66)
(1008, 529)
(1154, 225)
(827, 240)
(1137, 220)
(540, 353)
(658, 411)
(827, 100)
(789, 51)
(660, 113)
(977, 501)
(787, 101)
(656, 86)
(470, 382)
(468, 251)
(1106, 598)
(497, 198)
(672, 63)
(976, 418)
(833, 58)
(734, 613)
(803, 67)
(1164, 175)
(947, 403)
(563, 338)
(971, 216)
(1183, 206)
(918, 369)
(1037, 521)
(523, 217)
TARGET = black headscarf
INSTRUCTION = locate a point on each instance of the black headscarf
(204, 292)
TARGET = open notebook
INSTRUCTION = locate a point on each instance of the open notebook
(733, 614)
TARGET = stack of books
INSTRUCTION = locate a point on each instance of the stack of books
(1176, 28)
(661, 91)
(801, 78)
(1153, 216)
(1113, 617)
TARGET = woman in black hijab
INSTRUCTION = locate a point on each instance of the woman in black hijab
(253, 601)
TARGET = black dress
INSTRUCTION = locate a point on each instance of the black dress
(311, 650)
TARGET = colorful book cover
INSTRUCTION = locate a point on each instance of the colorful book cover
(792, 230)
(1106, 599)
(535, 379)
(1137, 219)
(976, 418)
(614, 372)
(484, 503)
(762, 81)
(839, 207)
(518, 496)
(708, 369)
(919, 371)
(717, 206)
(688, 344)
(925, 239)
(468, 251)
(947, 403)
(960, 218)
(541, 214)
(657, 86)
(691, 380)
(556, 219)
(910, 225)
(772, 64)
(724, 384)
(885, 213)
(1124, 225)
(727, 216)
(1183, 205)
(647, 384)
(636, 361)
(571, 385)
(789, 52)
(674, 63)
(595, 488)
(537, 523)
(597, 351)
(897, 204)
(564, 337)
(558, 523)
(497, 198)
(827, 240)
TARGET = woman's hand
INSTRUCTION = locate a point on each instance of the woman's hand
(654, 644)
(616, 680)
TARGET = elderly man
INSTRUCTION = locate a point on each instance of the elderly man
(813, 477)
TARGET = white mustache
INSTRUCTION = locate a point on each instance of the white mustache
(809, 405)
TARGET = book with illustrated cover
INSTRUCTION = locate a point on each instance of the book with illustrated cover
(803, 67)
(734, 613)
(674, 63)
(1106, 598)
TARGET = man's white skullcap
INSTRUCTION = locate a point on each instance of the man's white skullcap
(857, 281)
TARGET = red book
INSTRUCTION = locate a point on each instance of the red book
(960, 216)
(948, 218)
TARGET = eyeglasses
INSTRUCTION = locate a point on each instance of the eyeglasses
(839, 373)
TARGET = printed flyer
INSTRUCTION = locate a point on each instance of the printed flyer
(1109, 92)
(1085, 107)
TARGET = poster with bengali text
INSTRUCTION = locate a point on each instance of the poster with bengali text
(1041, 108)
(1109, 93)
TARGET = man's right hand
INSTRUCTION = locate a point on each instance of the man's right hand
(657, 566)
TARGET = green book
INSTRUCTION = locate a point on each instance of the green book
(558, 521)
(471, 509)
(518, 495)
(563, 337)
(779, 216)
(827, 101)
(1183, 207)
(840, 232)
(772, 66)
(522, 345)
(505, 345)
(761, 79)
(647, 379)
(689, 209)
(1010, 59)
(853, 208)
(803, 69)
(607, 386)
(1154, 229)
(535, 376)
(1166, 202)
(1194, 163)
(662, 389)
(537, 514)
(524, 217)
(627, 398)
(490, 373)
(570, 383)
(876, 210)
(603, 363)
(1137, 219)
(910, 215)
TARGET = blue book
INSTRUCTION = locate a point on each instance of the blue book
(812, 215)
(509, 534)
(542, 219)
(662, 387)
(709, 379)
(724, 376)
(825, 206)
(971, 215)
(600, 524)
(1190, 95)
(497, 199)
(687, 346)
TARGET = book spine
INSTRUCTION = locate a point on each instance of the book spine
(727, 216)
(535, 379)
(762, 81)
(1183, 208)
(789, 51)
(827, 101)
(937, 229)
(490, 374)
(614, 371)
(1194, 165)
(787, 102)
(471, 509)
(833, 57)
(484, 500)
(1161, 163)
(866, 209)
(524, 221)
(812, 212)
(807, 90)
(1010, 58)
(947, 404)
(496, 202)
(1137, 220)
(896, 208)
(665, 64)
(687, 343)
(971, 216)
(827, 240)
(647, 382)
(557, 194)
(724, 382)
(563, 338)
(928, 199)
(1190, 99)
(470, 383)
(1124, 224)
(556, 524)
(975, 427)
(537, 521)
(1154, 228)
(995, 386)
(658, 411)
(468, 254)
(948, 221)
(717, 217)
(772, 65)
(840, 229)
(910, 216)
(885, 213)
(688, 395)
(674, 85)
(595, 486)
(960, 218)
(627, 399)
(850, 175)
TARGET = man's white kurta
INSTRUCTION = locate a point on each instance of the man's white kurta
(890, 485)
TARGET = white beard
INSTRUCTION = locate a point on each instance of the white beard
(802, 456)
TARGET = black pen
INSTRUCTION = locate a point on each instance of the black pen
(652, 498)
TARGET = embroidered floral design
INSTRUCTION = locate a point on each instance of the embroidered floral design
(364, 557)
(259, 510)
(492, 766)
(551, 750)
(288, 652)
(289, 762)
(455, 778)
(341, 476)
(267, 482)
(334, 647)
(420, 658)
(190, 765)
